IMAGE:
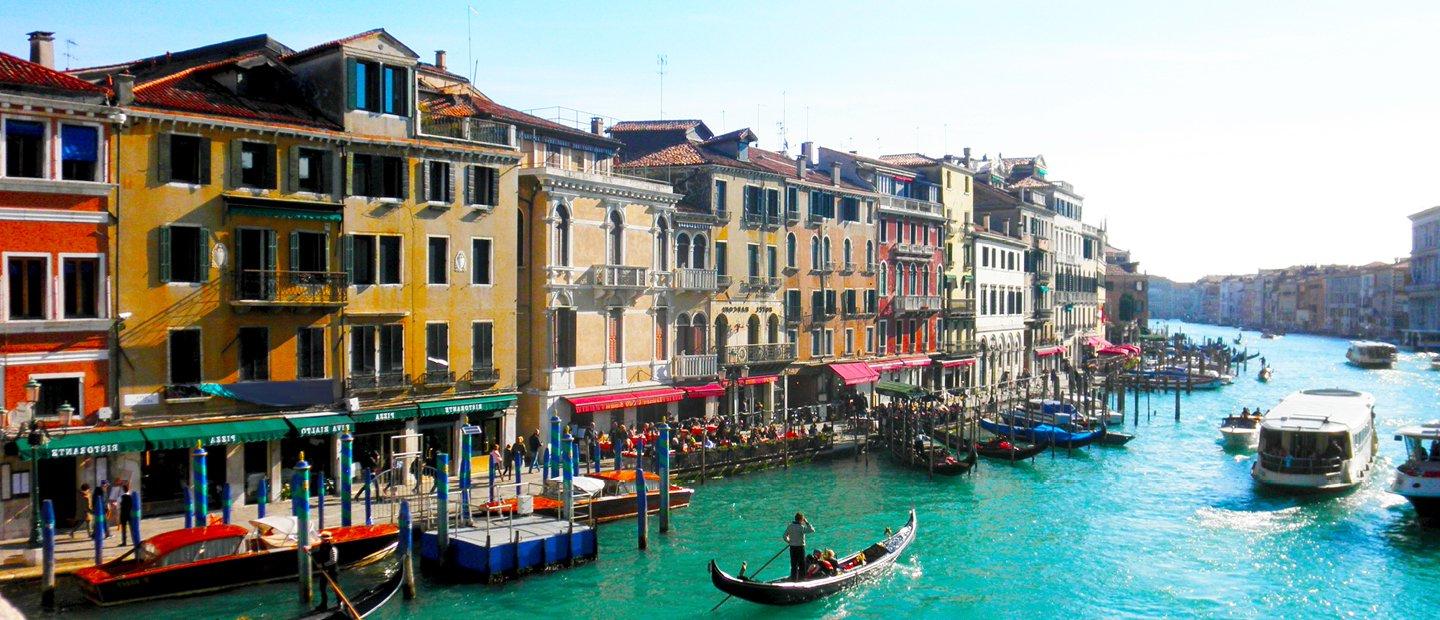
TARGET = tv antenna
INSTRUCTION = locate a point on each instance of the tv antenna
(780, 126)
(70, 52)
(660, 62)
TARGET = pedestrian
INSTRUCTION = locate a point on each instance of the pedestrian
(505, 459)
(534, 446)
(103, 493)
(496, 459)
(327, 560)
(795, 538)
(127, 513)
(518, 453)
(83, 511)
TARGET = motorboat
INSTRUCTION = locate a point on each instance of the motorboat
(1081, 412)
(1269, 335)
(854, 569)
(1435, 363)
(1369, 354)
(1418, 478)
(1241, 432)
(1320, 439)
(221, 556)
(1264, 375)
(610, 495)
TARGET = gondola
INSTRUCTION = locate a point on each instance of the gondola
(1043, 434)
(878, 557)
(1003, 449)
(364, 603)
(945, 462)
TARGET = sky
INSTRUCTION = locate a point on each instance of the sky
(1208, 137)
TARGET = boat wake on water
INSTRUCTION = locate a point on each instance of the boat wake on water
(1253, 521)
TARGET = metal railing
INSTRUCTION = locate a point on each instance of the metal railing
(290, 288)
(690, 279)
(814, 218)
(483, 374)
(467, 128)
(722, 281)
(762, 283)
(741, 354)
(377, 381)
(184, 390)
(792, 216)
(698, 366)
(1304, 466)
(438, 377)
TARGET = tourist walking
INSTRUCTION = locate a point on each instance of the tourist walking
(534, 447)
(795, 538)
(83, 511)
(126, 507)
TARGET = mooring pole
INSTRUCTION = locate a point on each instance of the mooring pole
(347, 459)
(263, 491)
(300, 502)
(227, 503)
(663, 452)
(442, 502)
(47, 550)
(369, 484)
(567, 511)
(99, 532)
(641, 500)
(406, 547)
(199, 484)
(552, 467)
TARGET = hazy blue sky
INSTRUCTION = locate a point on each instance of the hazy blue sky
(1213, 137)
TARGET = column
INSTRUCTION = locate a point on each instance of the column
(235, 471)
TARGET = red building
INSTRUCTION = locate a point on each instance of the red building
(55, 254)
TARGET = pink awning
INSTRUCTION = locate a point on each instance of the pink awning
(622, 400)
(916, 362)
(854, 373)
(887, 365)
(969, 361)
(756, 379)
(1048, 351)
(704, 391)
(1097, 342)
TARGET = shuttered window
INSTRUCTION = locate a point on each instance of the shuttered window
(482, 345)
(482, 186)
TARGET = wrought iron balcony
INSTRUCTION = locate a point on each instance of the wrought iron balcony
(792, 216)
(762, 283)
(621, 276)
(701, 366)
(468, 129)
(689, 279)
(747, 354)
(483, 374)
(184, 391)
(268, 288)
(917, 303)
(435, 378)
(377, 382)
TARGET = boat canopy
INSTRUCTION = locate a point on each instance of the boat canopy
(1321, 411)
(897, 389)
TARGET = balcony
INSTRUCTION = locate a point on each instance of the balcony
(915, 249)
(869, 269)
(722, 281)
(438, 378)
(184, 392)
(825, 267)
(662, 279)
(377, 382)
(762, 283)
(688, 279)
(847, 268)
(792, 217)
(760, 220)
(917, 303)
(483, 375)
(911, 206)
(621, 276)
(751, 354)
(1044, 274)
(265, 288)
(467, 129)
(960, 307)
(1042, 243)
(702, 366)
(814, 218)
(1043, 314)
(961, 349)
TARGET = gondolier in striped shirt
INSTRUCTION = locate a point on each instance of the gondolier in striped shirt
(795, 537)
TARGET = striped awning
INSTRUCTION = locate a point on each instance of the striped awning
(622, 400)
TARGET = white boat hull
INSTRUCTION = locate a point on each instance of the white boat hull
(1240, 438)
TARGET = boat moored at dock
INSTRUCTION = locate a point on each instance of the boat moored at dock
(1368, 354)
(1320, 439)
(1418, 478)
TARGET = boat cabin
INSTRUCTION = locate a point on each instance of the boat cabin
(1317, 433)
(1422, 442)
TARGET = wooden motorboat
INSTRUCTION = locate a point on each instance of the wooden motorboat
(1418, 478)
(856, 568)
(1003, 449)
(219, 557)
(364, 603)
(610, 495)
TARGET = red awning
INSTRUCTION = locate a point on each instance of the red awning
(854, 373)
(1097, 342)
(621, 400)
(957, 363)
(916, 362)
(1048, 351)
(887, 365)
(756, 379)
(704, 391)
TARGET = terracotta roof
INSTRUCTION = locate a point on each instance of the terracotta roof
(194, 90)
(18, 71)
(470, 103)
(743, 134)
(310, 51)
(1031, 182)
(658, 125)
(909, 160)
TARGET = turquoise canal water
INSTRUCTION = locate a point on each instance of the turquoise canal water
(1169, 525)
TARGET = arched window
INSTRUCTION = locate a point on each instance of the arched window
(520, 238)
(883, 273)
(616, 239)
(562, 237)
(682, 250)
(683, 335)
(790, 250)
(825, 250)
(846, 255)
(925, 278)
(869, 253)
(662, 246)
(773, 330)
(699, 248)
(697, 326)
(752, 330)
(899, 280)
(814, 252)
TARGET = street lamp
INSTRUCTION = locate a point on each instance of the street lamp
(36, 439)
(65, 411)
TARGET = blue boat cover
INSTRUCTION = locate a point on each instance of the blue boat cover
(276, 393)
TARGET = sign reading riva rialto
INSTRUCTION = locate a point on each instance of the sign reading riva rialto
(84, 444)
(467, 405)
(310, 426)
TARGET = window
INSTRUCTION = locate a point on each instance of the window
(482, 345)
(662, 330)
(616, 239)
(82, 287)
(308, 252)
(772, 258)
(439, 253)
(56, 392)
(869, 339)
(793, 312)
(397, 91)
(373, 259)
(719, 196)
(816, 340)
(378, 88)
(563, 337)
(884, 231)
(790, 251)
(362, 350)
(187, 160)
(184, 356)
(183, 255)
(753, 251)
(392, 349)
(254, 352)
(815, 253)
(845, 253)
(772, 205)
(825, 253)
(436, 186)
(28, 277)
(722, 266)
(79, 153)
(615, 335)
(562, 237)
(310, 353)
(883, 333)
(437, 347)
(849, 341)
(884, 271)
(829, 342)
(849, 209)
(255, 164)
(792, 201)
(480, 255)
(310, 170)
(754, 200)
(519, 239)
(24, 148)
(377, 176)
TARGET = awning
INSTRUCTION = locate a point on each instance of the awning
(854, 373)
(276, 393)
(915, 362)
(756, 379)
(215, 433)
(957, 363)
(901, 390)
(1096, 342)
(1048, 351)
(308, 210)
(887, 365)
(324, 424)
(384, 415)
(621, 400)
(467, 405)
(704, 391)
(86, 443)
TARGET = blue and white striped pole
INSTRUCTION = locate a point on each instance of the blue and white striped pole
(663, 454)
(347, 458)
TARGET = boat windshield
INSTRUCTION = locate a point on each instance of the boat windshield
(1420, 449)
(1305, 445)
(215, 548)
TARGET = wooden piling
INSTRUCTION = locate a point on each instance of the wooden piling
(406, 547)
(641, 500)
(300, 501)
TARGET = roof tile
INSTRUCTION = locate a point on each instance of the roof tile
(16, 70)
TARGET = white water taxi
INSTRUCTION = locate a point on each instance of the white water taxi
(1418, 478)
(1368, 354)
(1317, 439)
(1240, 432)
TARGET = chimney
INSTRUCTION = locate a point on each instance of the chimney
(985, 221)
(800, 166)
(124, 89)
(967, 154)
(597, 125)
(807, 150)
(440, 59)
(835, 173)
(42, 48)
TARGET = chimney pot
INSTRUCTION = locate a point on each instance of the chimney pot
(800, 166)
(124, 89)
(807, 150)
(440, 59)
(835, 173)
(597, 125)
(42, 48)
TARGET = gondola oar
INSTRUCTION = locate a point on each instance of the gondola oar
(349, 607)
(752, 575)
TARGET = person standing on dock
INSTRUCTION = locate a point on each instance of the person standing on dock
(795, 537)
(327, 560)
(126, 507)
(534, 448)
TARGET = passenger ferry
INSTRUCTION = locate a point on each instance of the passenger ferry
(1418, 478)
(1367, 354)
(1317, 439)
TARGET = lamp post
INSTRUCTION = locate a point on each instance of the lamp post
(36, 439)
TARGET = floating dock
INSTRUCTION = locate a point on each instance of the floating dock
(511, 547)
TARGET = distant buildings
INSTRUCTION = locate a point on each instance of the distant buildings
(1423, 329)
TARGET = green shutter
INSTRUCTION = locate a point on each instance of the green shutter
(237, 150)
(272, 170)
(162, 158)
(204, 161)
(494, 198)
(347, 256)
(423, 182)
(404, 178)
(348, 183)
(270, 239)
(294, 252)
(292, 170)
(467, 175)
(350, 68)
(164, 253)
(450, 183)
(204, 254)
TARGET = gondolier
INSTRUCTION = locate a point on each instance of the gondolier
(327, 560)
(795, 537)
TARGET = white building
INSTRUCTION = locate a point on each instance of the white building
(1003, 301)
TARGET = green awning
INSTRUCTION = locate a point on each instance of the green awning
(313, 425)
(289, 214)
(86, 443)
(216, 433)
(901, 390)
(384, 415)
(467, 405)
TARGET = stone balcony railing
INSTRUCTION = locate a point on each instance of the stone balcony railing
(690, 279)
(960, 307)
(762, 283)
(917, 303)
(621, 276)
(701, 366)
(910, 206)
(746, 354)
(915, 249)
